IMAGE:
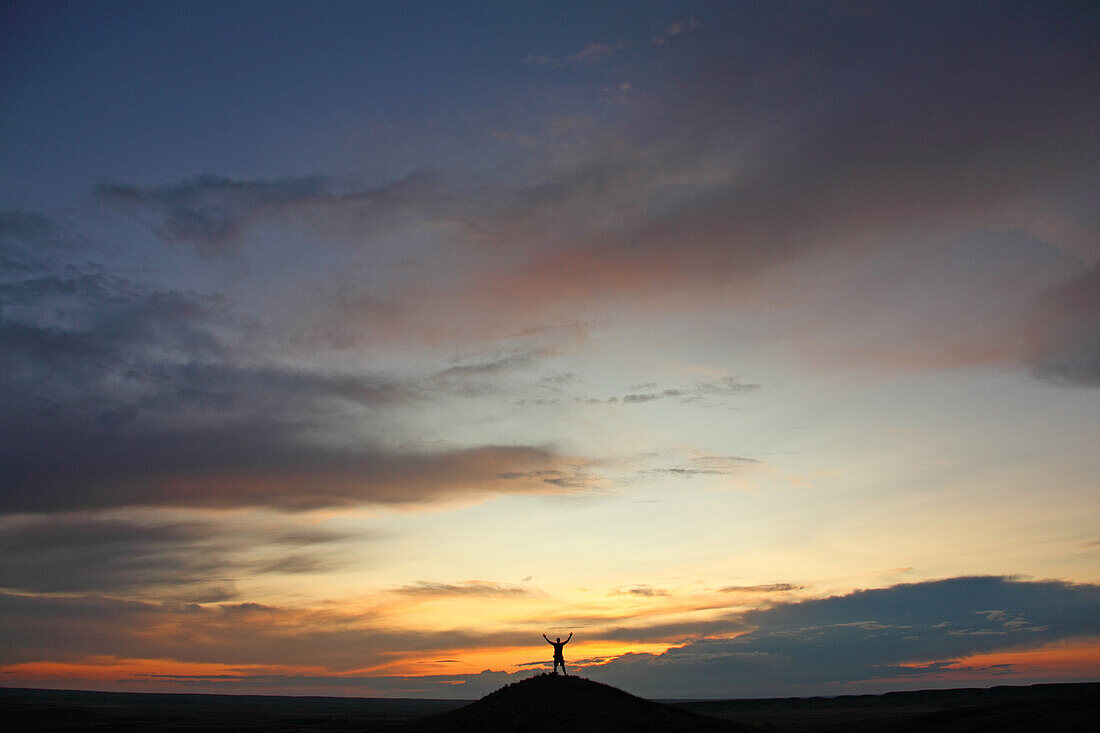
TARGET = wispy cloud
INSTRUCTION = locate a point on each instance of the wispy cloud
(1065, 333)
(117, 394)
(644, 591)
(569, 477)
(676, 28)
(702, 465)
(184, 559)
(593, 52)
(78, 627)
(208, 211)
(465, 588)
(495, 364)
(212, 213)
(704, 394)
(764, 588)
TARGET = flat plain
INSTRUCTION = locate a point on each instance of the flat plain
(1049, 707)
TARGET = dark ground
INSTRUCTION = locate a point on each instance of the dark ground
(1067, 708)
(550, 702)
(545, 702)
(70, 710)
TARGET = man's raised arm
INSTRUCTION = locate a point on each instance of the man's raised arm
(568, 638)
(547, 640)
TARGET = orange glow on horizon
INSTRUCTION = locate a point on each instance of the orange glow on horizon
(1069, 657)
(113, 669)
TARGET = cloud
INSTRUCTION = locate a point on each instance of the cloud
(212, 213)
(593, 52)
(495, 365)
(765, 588)
(465, 588)
(645, 591)
(676, 28)
(702, 465)
(74, 628)
(27, 239)
(178, 558)
(801, 146)
(709, 394)
(633, 399)
(866, 640)
(117, 394)
(569, 477)
(1066, 332)
(56, 467)
(807, 149)
(857, 159)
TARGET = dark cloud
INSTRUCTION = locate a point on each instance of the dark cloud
(765, 588)
(1066, 332)
(57, 467)
(465, 588)
(645, 591)
(865, 640)
(68, 340)
(26, 239)
(117, 394)
(211, 212)
(196, 559)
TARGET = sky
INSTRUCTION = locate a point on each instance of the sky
(348, 348)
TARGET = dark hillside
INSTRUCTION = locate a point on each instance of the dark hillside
(556, 703)
(1065, 708)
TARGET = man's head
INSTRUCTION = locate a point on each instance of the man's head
(559, 639)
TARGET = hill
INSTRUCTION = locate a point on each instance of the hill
(549, 702)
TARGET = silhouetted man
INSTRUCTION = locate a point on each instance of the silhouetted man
(559, 658)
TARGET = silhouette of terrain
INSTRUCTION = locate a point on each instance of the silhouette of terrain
(567, 704)
(550, 702)
(42, 711)
(1066, 708)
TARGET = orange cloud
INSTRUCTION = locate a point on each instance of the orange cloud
(1076, 658)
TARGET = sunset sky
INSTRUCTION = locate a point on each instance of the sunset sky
(346, 348)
